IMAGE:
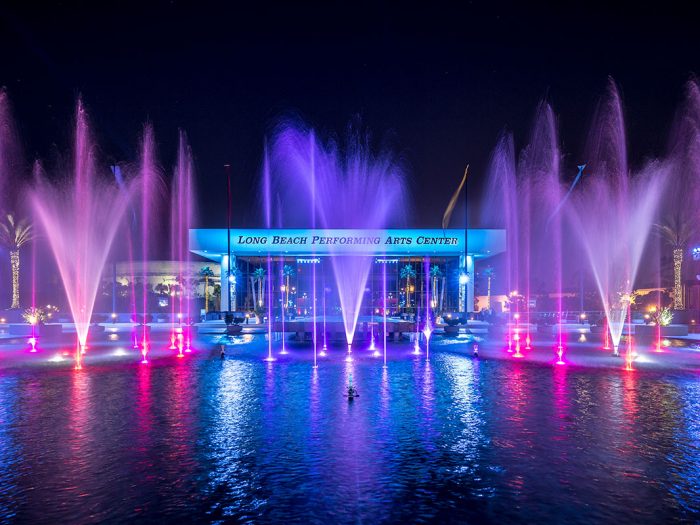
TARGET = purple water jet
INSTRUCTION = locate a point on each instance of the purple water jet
(614, 211)
(349, 188)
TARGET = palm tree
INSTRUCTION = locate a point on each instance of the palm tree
(205, 273)
(287, 272)
(13, 235)
(677, 231)
(408, 273)
(489, 274)
(435, 274)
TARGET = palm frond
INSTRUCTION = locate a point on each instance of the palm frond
(15, 233)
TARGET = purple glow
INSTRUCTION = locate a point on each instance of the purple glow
(615, 212)
(342, 188)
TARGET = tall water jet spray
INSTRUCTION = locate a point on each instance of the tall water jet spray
(501, 207)
(540, 201)
(614, 211)
(80, 216)
(151, 188)
(352, 188)
(428, 324)
(181, 220)
(678, 224)
(267, 209)
(312, 209)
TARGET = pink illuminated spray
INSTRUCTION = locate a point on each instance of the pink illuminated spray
(516, 336)
(33, 339)
(384, 307)
(152, 190)
(80, 217)
(183, 196)
(614, 212)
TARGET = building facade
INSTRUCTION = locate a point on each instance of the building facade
(287, 268)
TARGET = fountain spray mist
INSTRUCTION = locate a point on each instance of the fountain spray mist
(181, 220)
(343, 188)
(267, 208)
(614, 211)
(152, 189)
(80, 217)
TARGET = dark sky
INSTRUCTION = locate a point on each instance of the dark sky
(437, 82)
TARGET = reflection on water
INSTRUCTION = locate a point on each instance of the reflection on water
(454, 440)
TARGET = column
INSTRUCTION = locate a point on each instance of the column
(224, 282)
(466, 283)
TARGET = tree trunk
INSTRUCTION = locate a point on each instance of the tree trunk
(14, 261)
(261, 297)
(678, 302)
(252, 289)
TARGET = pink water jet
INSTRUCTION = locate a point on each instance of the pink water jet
(614, 212)
(152, 189)
(182, 212)
(80, 216)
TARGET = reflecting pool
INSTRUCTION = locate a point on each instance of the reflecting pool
(457, 439)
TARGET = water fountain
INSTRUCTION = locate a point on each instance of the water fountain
(501, 210)
(342, 186)
(614, 211)
(152, 189)
(267, 208)
(80, 216)
(181, 220)
(541, 219)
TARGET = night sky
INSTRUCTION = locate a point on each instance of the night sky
(437, 83)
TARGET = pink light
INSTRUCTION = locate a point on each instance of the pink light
(517, 353)
(527, 342)
(79, 351)
(560, 355)
(144, 352)
(172, 341)
(32, 341)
